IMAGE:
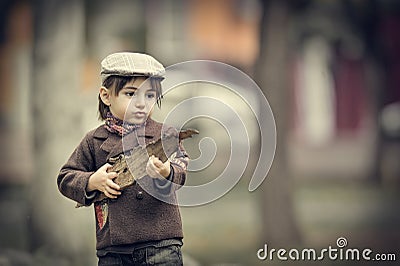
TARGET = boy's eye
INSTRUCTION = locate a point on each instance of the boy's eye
(130, 93)
(150, 95)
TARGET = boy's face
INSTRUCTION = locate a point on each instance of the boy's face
(134, 102)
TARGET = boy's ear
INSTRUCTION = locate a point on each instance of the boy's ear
(105, 95)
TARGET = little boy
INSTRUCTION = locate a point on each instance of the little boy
(132, 227)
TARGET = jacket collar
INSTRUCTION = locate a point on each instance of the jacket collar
(114, 145)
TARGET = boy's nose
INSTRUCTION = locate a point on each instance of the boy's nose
(139, 103)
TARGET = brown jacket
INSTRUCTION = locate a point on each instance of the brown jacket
(135, 216)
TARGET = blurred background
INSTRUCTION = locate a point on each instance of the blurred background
(330, 70)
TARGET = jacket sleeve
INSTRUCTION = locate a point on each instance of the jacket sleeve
(74, 175)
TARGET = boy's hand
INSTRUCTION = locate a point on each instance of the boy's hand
(156, 168)
(103, 181)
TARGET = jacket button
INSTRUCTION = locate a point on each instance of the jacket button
(139, 195)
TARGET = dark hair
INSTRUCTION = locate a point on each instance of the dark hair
(116, 83)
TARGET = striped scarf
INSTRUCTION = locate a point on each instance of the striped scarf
(118, 126)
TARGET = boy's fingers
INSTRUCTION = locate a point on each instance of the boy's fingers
(149, 169)
(167, 164)
(112, 175)
(158, 163)
(106, 166)
(150, 163)
(151, 172)
(111, 184)
(109, 195)
(113, 192)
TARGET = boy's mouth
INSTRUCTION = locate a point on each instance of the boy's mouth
(139, 114)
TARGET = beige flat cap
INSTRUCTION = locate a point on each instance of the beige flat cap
(131, 64)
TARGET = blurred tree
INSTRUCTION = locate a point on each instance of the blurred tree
(57, 126)
(364, 18)
(279, 224)
(376, 24)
